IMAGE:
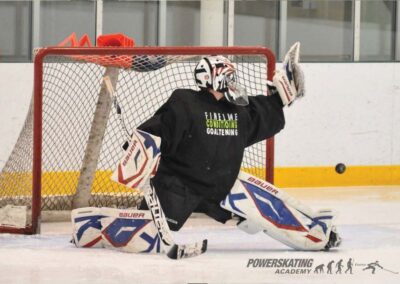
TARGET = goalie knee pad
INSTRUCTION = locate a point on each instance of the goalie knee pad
(123, 230)
(285, 219)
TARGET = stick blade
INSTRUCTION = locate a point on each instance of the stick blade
(186, 251)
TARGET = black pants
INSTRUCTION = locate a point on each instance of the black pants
(179, 202)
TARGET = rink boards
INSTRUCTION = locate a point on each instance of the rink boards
(65, 182)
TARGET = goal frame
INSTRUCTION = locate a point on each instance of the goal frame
(41, 54)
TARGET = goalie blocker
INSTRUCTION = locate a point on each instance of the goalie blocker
(133, 230)
(138, 165)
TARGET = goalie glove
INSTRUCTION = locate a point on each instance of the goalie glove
(289, 81)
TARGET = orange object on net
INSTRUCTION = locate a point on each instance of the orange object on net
(108, 40)
(72, 41)
(116, 40)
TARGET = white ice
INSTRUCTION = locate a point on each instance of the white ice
(369, 222)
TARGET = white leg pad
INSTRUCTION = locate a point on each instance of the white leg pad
(125, 230)
(279, 215)
(130, 231)
(249, 227)
(86, 227)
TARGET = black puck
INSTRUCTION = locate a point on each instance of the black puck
(340, 168)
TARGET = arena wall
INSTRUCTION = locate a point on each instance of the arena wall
(350, 115)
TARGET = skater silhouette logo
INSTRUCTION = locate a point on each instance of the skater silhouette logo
(373, 266)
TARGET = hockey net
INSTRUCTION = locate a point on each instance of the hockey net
(86, 101)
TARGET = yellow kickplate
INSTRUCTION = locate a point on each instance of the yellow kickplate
(327, 176)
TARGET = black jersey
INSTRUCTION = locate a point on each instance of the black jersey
(203, 139)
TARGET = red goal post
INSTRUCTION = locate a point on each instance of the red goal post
(59, 74)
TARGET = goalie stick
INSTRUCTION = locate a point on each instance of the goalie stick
(175, 251)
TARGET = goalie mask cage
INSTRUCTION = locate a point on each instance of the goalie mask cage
(85, 103)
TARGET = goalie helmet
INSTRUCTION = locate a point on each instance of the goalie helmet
(219, 73)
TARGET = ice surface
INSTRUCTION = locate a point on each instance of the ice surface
(369, 223)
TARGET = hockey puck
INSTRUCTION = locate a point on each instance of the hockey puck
(340, 168)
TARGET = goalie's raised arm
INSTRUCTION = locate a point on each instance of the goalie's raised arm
(289, 81)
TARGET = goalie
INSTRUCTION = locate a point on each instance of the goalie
(203, 137)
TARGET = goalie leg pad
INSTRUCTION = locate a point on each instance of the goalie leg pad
(123, 230)
(278, 215)
(249, 227)
(129, 231)
(86, 227)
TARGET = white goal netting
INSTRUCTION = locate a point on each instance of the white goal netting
(71, 91)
